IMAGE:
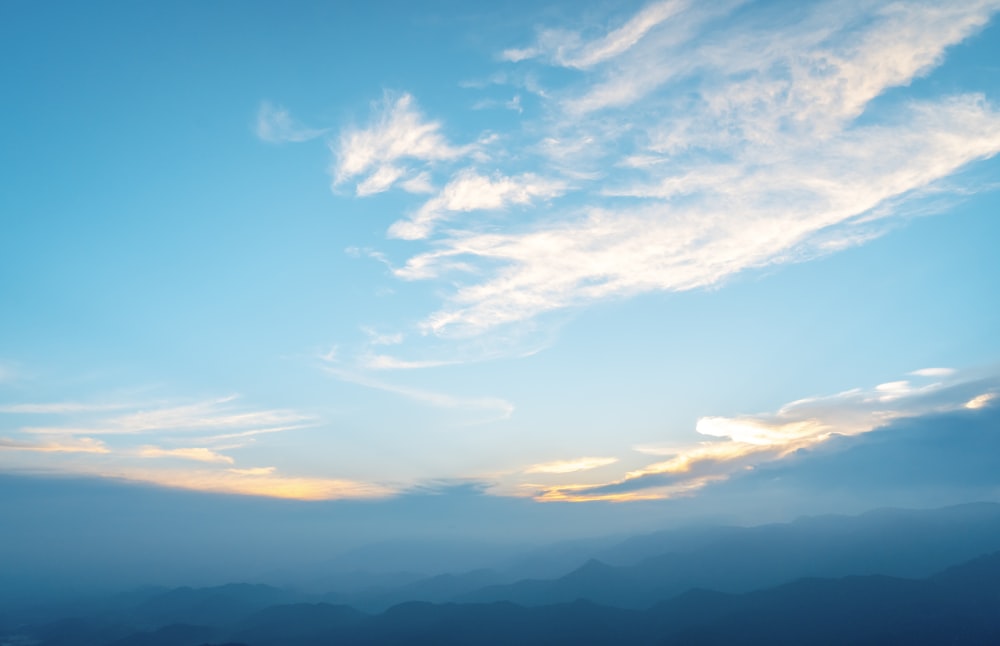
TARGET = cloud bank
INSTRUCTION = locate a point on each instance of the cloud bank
(736, 446)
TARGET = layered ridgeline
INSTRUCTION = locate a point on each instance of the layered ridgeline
(888, 576)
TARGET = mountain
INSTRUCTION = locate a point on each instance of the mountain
(901, 543)
(957, 606)
(219, 605)
(302, 623)
(885, 577)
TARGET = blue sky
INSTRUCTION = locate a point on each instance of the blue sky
(567, 252)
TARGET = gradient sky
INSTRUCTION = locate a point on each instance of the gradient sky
(571, 251)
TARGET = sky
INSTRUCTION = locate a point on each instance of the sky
(560, 252)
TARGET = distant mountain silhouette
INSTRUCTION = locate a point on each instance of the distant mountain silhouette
(299, 623)
(437, 589)
(740, 559)
(171, 635)
(957, 606)
(208, 606)
(886, 577)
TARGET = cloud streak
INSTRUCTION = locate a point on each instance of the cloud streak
(568, 49)
(215, 414)
(60, 445)
(501, 408)
(471, 191)
(570, 466)
(198, 454)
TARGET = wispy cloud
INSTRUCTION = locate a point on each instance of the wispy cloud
(750, 216)
(693, 143)
(206, 415)
(500, 408)
(275, 125)
(243, 435)
(59, 445)
(267, 482)
(568, 49)
(471, 191)
(397, 134)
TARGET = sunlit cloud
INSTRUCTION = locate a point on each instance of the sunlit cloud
(254, 471)
(170, 434)
(60, 445)
(198, 454)
(570, 466)
(591, 493)
(256, 482)
(740, 443)
(981, 401)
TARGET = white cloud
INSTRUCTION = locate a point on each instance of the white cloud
(420, 183)
(275, 125)
(699, 143)
(398, 132)
(470, 191)
(567, 48)
(257, 482)
(933, 372)
(379, 181)
(823, 63)
(787, 202)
